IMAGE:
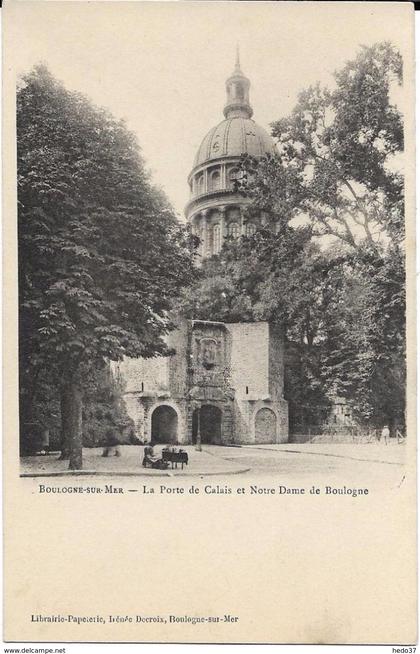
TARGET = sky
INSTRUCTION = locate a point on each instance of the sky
(162, 66)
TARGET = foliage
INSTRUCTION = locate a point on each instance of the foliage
(365, 336)
(336, 155)
(39, 403)
(101, 254)
(247, 279)
(104, 411)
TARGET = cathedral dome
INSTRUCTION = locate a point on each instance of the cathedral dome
(235, 136)
(217, 210)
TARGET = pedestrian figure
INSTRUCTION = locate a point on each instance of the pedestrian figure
(385, 434)
(45, 441)
(112, 446)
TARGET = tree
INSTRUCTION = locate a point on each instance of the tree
(365, 340)
(250, 278)
(103, 409)
(101, 254)
(335, 155)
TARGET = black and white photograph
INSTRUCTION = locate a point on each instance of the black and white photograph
(213, 279)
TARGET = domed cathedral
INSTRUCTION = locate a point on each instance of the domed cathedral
(215, 209)
(224, 384)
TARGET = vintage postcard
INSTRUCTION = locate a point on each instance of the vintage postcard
(209, 322)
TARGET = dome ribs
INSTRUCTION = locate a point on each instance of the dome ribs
(226, 136)
(210, 142)
(244, 139)
(236, 136)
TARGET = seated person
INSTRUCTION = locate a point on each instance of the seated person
(152, 459)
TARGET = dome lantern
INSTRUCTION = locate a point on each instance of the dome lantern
(237, 89)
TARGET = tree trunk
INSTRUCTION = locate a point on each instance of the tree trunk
(65, 435)
(392, 426)
(71, 420)
(26, 413)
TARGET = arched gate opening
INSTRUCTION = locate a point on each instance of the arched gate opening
(164, 424)
(210, 418)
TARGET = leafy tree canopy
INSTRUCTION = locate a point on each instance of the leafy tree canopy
(101, 254)
(336, 163)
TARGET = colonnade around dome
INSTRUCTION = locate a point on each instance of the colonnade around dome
(217, 177)
(214, 225)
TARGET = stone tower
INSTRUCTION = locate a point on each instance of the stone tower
(215, 210)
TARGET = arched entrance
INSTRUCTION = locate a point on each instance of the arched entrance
(265, 426)
(210, 424)
(164, 424)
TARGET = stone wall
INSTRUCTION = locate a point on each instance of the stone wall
(243, 422)
(249, 363)
(142, 375)
(178, 363)
(135, 410)
(257, 373)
